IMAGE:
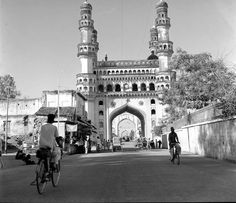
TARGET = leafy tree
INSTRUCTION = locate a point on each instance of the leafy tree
(200, 81)
(158, 130)
(7, 86)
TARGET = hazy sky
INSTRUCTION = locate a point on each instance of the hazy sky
(38, 44)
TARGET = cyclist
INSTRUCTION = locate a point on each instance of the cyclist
(173, 139)
(48, 139)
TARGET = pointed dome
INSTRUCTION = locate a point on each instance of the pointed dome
(86, 5)
(162, 4)
(152, 56)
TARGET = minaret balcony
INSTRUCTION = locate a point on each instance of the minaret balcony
(87, 48)
(86, 53)
(165, 46)
(153, 43)
(162, 22)
(86, 23)
(166, 51)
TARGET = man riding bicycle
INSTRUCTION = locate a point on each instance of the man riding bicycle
(48, 140)
(173, 140)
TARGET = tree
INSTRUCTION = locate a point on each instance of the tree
(8, 87)
(200, 81)
(158, 130)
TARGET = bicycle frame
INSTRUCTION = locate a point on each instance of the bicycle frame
(176, 155)
(41, 179)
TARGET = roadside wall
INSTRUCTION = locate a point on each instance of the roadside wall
(216, 138)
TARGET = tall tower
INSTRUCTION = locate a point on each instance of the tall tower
(159, 43)
(87, 53)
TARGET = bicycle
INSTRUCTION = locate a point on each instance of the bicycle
(176, 153)
(54, 173)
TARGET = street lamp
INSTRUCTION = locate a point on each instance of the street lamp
(8, 89)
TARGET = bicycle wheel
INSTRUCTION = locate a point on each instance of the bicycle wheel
(40, 177)
(56, 173)
(178, 159)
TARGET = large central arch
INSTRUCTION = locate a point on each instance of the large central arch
(127, 108)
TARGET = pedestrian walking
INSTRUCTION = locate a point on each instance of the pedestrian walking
(108, 145)
(159, 143)
(144, 143)
(1, 161)
(152, 144)
(86, 144)
(148, 143)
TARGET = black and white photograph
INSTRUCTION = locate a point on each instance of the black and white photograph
(117, 101)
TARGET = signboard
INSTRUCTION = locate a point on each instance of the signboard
(71, 128)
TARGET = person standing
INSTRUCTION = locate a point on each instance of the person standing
(86, 144)
(1, 161)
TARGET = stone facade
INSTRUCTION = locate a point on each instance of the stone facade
(21, 112)
(112, 88)
(125, 86)
(17, 110)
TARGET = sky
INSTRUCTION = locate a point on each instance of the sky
(38, 38)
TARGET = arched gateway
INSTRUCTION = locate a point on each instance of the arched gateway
(133, 86)
(132, 110)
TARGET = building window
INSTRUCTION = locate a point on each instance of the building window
(143, 87)
(109, 88)
(134, 87)
(100, 113)
(100, 103)
(117, 88)
(151, 87)
(153, 112)
(100, 88)
(26, 120)
(153, 101)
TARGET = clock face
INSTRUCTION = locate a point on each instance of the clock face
(140, 103)
(126, 86)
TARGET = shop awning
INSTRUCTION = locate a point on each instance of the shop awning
(44, 111)
(63, 111)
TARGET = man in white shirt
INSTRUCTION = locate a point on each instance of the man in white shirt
(48, 135)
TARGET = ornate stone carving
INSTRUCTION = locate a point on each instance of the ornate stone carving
(113, 104)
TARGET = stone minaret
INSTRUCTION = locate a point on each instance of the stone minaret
(88, 47)
(87, 53)
(159, 42)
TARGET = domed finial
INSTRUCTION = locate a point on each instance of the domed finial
(162, 3)
(106, 57)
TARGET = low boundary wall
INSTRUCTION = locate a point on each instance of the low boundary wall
(216, 138)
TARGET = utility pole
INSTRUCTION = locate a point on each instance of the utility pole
(58, 110)
(6, 124)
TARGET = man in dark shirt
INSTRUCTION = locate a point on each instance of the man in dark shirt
(173, 139)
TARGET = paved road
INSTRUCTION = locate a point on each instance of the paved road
(145, 176)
